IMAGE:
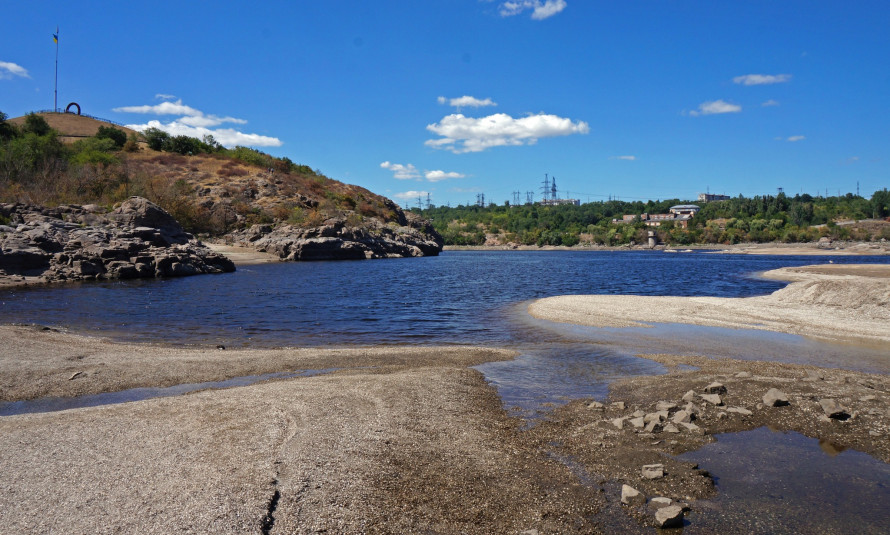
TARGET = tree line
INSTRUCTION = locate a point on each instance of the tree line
(759, 219)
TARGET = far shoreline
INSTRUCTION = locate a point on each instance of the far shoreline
(779, 249)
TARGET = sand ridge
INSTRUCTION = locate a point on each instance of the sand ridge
(833, 302)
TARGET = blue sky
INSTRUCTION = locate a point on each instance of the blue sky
(636, 100)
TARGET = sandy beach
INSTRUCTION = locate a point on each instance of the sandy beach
(832, 302)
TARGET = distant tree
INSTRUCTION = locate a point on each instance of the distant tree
(7, 129)
(36, 124)
(109, 132)
(157, 139)
(880, 203)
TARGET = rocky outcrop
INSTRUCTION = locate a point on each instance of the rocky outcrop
(336, 240)
(71, 243)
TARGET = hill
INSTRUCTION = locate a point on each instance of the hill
(72, 127)
(237, 195)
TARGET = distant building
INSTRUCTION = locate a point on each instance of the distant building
(708, 197)
(679, 215)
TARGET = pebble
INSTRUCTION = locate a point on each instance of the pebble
(653, 471)
(631, 496)
(669, 517)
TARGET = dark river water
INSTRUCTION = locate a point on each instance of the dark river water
(480, 298)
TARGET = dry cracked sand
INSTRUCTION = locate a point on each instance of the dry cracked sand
(411, 440)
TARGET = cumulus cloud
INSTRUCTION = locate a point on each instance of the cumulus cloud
(628, 158)
(461, 134)
(466, 102)
(715, 107)
(401, 172)
(9, 70)
(410, 195)
(762, 79)
(225, 136)
(540, 10)
(193, 122)
(437, 175)
(770, 102)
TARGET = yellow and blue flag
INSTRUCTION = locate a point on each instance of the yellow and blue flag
(56, 36)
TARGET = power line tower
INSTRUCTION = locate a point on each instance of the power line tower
(419, 203)
(529, 197)
(553, 195)
(546, 188)
(428, 203)
(516, 197)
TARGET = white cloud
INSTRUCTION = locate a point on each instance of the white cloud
(762, 79)
(770, 102)
(796, 138)
(401, 172)
(437, 175)
(9, 70)
(195, 123)
(164, 96)
(628, 158)
(540, 10)
(225, 136)
(466, 101)
(410, 195)
(468, 134)
(715, 107)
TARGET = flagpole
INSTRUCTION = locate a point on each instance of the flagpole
(56, 90)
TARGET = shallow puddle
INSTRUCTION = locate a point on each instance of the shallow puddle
(51, 404)
(785, 482)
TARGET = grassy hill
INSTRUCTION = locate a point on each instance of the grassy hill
(52, 158)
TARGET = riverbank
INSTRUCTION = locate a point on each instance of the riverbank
(842, 248)
(832, 302)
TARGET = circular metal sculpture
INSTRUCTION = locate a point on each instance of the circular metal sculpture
(76, 105)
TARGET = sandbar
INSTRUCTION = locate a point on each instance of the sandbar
(831, 302)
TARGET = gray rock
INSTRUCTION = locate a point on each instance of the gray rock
(743, 375)
(692, 428)
(713, 399)
(660, 501)
(715, 388)
(669, 517)
(671, 428)
(681, 417)
(638, 423)
(619, 422)
(689, 396)
(596, 405)
(653, 426)
(618, 405)
(631, 496)
(775, 398)
(665, 406)
(740, 410)
(833, 409)
(653, 471)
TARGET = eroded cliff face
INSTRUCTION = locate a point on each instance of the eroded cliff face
(69, 243)
(337, 240)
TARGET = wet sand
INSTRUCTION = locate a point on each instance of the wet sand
(832, 302)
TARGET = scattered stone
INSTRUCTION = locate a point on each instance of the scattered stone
(653, 471)
(665, 406)
(660, 501)
(740, 410)
(638, 414)
(868, 398)
(669, 517)
(722, 415)
(775, 398)
(631, 496)
(692, 428)
(596, 405)
(671, 428)
(75, 375)
(743, 375)
(683, 416)
(653, 427)
(689, 396)
(659, 416)
(713, 399)
(638, 423)
(619, 422)
(833, 409)
(618, 405)
(715, 388)
(813, 375)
